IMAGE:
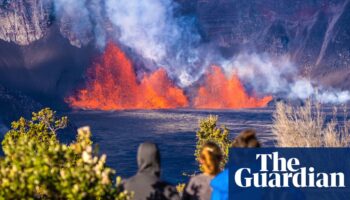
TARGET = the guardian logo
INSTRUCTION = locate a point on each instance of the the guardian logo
(286, 173)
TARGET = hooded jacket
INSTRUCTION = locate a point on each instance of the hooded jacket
(146, 183)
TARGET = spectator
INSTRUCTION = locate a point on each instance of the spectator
(246, 139)
(146, 184)
(198, 188)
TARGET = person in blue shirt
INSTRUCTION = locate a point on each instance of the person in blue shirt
(220, 184)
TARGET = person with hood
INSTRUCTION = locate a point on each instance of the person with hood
(198, 187)
(220, 184)
(146, 183)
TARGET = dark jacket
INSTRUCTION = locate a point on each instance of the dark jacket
(146, 184)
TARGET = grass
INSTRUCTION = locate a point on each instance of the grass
(306, 126)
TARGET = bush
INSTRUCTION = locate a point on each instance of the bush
(306, 126)
(208, 131)
(37, 166)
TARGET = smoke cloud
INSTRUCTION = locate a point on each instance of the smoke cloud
(82, 21)
(146, 26)
(261, 72)
(163, 38)
(153, 31)
(304, 89)
(279, 76)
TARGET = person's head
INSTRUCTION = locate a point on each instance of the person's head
(246, 139)
(148, 158)
(210, 158)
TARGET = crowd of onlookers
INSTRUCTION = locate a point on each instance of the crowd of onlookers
(212, 183)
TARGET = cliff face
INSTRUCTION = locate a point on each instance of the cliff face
(38, 56)
(316, 34)
(24, 21)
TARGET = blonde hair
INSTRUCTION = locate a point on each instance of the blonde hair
(211, 157)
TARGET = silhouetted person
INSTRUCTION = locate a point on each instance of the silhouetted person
(220, 184)
(146, 184)
(199, 186)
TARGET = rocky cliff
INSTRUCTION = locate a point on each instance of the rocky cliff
(316, 34)
(24, 22)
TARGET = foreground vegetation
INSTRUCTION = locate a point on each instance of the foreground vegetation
(209, 131)
(37, 166)
(307, 126)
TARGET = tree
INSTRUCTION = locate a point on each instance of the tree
(208, 131)
(37, 166)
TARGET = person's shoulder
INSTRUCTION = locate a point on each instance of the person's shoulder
(129, 182)
(199, 178)
(130, 179)
(222, 174)
(220, 180)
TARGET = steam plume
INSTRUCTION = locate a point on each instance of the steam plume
(154, 30)
(150, 28)
(279, 76)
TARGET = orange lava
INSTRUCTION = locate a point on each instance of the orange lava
(112, 85)
(219, 92)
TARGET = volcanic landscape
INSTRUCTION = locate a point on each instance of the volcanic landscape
(149, 71)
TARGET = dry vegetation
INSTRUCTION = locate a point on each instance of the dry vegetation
(306, 126)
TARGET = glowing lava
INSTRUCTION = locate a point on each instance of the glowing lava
(112, 85)
(218, 92)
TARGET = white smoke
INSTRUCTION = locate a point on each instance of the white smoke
(303, 89)
(145, 26)
(150, 28)
(333, 96)
(81, 21)
(279, 76)
(154, 30)
(261, 72)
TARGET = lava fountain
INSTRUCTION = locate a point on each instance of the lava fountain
(220, 92)
(112, 84)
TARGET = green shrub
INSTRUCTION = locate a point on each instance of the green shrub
(208, 131)
(37, 166)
